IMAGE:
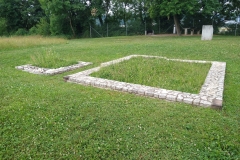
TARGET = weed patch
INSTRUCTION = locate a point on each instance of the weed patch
(50, 59)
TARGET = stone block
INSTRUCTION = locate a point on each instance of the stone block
(141, 91)
(207, 32)
(156, 94)
(125, 89)
(188, 100)
(179, 98)
(119, 88)
(205, 103)
(134, 90)
(171, 97)
(150, 94)
(162, 96)
(216, 104)
(196, 102)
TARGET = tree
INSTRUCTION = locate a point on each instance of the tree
(20, 13)
(172, 8)
(63, 15)
(177, 8)
(3, 27)
(122, 10)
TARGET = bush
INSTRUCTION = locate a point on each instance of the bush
(33, 30)
(21, 32)
(55, 25)
(43, 28)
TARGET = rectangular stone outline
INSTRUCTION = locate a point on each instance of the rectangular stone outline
(211, 93)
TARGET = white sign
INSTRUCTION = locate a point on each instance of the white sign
(207, 32)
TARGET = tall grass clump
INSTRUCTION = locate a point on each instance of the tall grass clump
(17, 42)
(181, 76)
(50, 59)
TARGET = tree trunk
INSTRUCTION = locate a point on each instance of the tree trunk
(177, 24)
(70, 22)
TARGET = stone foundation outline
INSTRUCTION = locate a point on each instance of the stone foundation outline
(211, 93)
(47, 71)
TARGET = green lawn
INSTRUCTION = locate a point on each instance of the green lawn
(43, 117)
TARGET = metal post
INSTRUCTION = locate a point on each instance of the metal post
(126, 28)
(159, 26)
(145, 28)
(107, 29)
(90, 31)
(236, 30)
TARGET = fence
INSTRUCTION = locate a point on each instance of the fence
(232, 29)
(137, 28)
(131, 28)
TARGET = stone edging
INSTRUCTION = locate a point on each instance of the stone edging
(47, 71)
(211, 94)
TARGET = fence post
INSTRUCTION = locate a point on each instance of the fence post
(159, 26)
(126, 28)
(145, 28)
(236, 30)
(107, 29)
(90, 31)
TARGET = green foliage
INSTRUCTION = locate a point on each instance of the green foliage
(20, 14)
(69, 13)
(199, 10)
(3, 27)
(43, 27)
(56, 25)
(33, 31)
(73, 17)
(177, 7)
(21, 32)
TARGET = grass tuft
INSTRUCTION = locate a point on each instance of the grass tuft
(50, 59)
(155, 72)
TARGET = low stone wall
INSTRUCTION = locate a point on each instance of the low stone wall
(211, 94)
(47, 71)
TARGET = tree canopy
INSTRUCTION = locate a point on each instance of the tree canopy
(73, 17)
(178, 8)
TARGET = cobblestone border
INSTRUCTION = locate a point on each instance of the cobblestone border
(211, 94)
(47, 71)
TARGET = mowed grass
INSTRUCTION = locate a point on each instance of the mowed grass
(43, 117)
(156, 72)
